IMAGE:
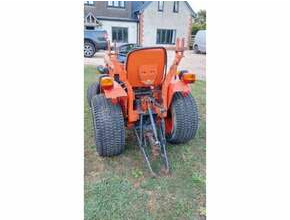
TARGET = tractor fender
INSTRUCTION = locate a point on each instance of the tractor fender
(116, 92)
(176, 86)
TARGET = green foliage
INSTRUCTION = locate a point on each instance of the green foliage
(196, 27)
(201, 17)
(198, 179)
(137, 173)
(199, 22)
(202, 211)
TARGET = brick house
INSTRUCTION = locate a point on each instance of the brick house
(147, 23)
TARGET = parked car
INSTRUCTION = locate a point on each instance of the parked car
(124, 49)
(94, 40)
(200, 42)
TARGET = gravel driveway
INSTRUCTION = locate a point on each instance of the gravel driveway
(190, 61)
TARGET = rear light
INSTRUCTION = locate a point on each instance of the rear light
(188, 77)
(107, 82)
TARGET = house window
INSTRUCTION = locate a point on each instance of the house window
(175, 7)
(165, 36)
(89, 2)
(160, 5)
(90, 28)
(122, 4)
(116, 4)
(91, 19)
(120, 34)
(90, 22)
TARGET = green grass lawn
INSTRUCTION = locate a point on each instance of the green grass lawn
(122, 188)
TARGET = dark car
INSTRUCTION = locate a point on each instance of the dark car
(124, 49)
(94, 40)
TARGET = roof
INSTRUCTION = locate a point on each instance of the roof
(117, 19)
(190, 8)
(139, 7)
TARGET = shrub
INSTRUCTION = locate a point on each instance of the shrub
(196, 27)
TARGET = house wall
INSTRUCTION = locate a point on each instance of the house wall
(153, 20)
(100, 8)
(132, 29)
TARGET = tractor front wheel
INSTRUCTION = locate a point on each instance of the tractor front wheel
(182, 121)
(108, 125)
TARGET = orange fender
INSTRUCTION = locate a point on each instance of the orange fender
(176, 86)
(116, 92)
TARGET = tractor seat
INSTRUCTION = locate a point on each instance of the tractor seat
(146, 66)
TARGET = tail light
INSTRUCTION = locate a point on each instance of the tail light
(188, 77)
(107, 82)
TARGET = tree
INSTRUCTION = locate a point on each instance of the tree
(201, 17)
(199, 22)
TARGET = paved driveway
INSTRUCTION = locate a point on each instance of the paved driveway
(191, 62)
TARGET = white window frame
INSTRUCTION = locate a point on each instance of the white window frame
(176, 6)
(124, 37)
(90, 3)
(162, 36)
(160, 5)
(116, 4)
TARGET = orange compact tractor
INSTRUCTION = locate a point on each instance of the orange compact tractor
(140, 94)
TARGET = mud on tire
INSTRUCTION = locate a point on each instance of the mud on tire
(108, 125)
(184, 115)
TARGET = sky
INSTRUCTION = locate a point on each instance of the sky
(197, 4)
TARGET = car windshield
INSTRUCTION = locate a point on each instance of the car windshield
(123, 50)
(127, 48)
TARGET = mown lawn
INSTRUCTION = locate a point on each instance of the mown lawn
(121, 187)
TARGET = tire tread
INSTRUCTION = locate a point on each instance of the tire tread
(108, 126)
(185, 113)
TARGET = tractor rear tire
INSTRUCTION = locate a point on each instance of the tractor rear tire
(184, 114)
(109, 126)
(93, 90)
